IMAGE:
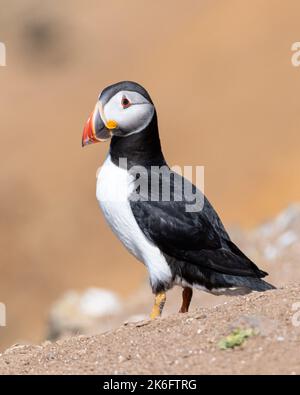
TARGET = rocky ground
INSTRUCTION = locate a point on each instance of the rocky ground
(181, 343)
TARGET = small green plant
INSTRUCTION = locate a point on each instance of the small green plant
(236, 338)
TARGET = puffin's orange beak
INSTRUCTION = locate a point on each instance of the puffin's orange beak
(95, 130)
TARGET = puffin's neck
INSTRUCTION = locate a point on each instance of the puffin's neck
(140, 149)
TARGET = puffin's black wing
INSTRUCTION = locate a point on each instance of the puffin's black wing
(198, 237)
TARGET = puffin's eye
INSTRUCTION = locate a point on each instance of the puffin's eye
(125, 102)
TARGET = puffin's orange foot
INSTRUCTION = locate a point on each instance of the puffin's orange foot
(160, 300)
(187, 294)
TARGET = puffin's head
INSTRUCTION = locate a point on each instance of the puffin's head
(122, 109)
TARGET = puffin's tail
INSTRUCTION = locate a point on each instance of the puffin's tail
(251, 283)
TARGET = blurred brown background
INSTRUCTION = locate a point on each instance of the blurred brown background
(227, 96)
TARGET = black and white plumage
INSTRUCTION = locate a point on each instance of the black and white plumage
(178, 247)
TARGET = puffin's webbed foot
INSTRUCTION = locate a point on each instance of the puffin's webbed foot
(187, 294)
(159, 302)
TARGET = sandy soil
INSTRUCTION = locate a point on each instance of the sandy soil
(179, 344)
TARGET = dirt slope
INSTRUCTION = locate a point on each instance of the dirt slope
(179, 344)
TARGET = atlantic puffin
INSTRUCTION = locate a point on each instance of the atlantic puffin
(189, 248)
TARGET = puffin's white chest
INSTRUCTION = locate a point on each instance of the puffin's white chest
(114, 186)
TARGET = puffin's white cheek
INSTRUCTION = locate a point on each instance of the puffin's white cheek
(136, 118)
(113, 113)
